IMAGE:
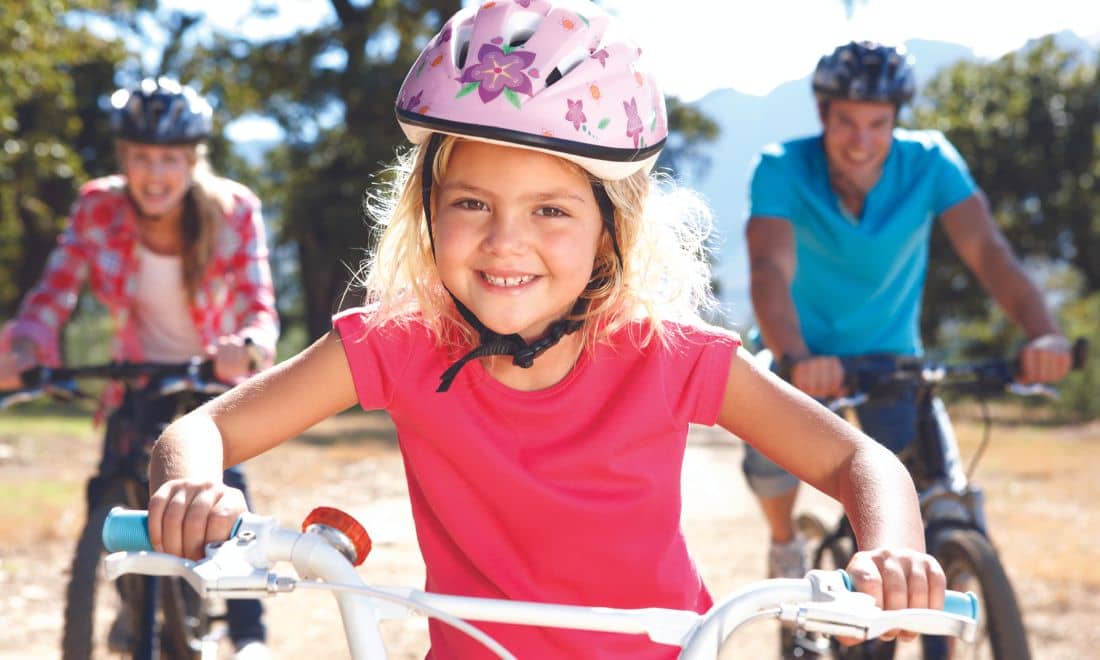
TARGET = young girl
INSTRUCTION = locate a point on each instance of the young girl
(177, 255)
(532, 330)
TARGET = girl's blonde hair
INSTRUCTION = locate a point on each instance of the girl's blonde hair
(662, 233)
(205, 207)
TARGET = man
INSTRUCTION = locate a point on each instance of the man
(838, 249)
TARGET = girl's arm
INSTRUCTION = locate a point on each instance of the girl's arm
(190, 506)
(833, 456)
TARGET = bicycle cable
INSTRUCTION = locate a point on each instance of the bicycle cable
(468, 628)
(987, 432)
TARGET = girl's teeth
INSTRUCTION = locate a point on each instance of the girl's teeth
(508, 281)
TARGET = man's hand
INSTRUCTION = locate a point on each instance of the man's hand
(1045, 359)
(820, 376)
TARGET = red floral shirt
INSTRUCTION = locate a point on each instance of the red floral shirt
(235, 298)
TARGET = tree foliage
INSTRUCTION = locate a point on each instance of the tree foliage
(52, 129)
(1028, 125)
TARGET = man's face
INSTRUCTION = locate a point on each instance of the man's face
(858, 135)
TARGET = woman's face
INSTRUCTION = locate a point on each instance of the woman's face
(157, 176)
(516, 234)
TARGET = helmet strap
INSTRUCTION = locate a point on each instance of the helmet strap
(491, 342)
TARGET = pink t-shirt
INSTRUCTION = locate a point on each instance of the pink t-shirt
(568, 495)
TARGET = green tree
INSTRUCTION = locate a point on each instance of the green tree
(52, 129)
(1028, 125)
(331, 89)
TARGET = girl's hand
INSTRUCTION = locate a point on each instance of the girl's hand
(185, 515)
(898, 578)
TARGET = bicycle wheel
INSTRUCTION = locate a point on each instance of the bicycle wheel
(971, 564)
(103, 617)
(185, 623)
(94, 616)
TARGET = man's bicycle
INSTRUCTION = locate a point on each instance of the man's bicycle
(951, 504)
(138, 616)
(325, 553)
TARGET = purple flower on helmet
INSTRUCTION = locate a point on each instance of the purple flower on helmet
(414, 102)
(445, 35)
(602, 56)
(526, 4)
(496, 71)
(633, 120)
(576, 113)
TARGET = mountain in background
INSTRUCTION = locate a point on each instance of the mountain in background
(749, 122)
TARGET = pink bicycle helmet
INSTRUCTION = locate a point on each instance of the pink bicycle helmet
(551, 75)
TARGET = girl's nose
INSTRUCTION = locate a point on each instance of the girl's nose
(507, 233)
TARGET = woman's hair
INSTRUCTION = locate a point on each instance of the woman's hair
(662, 232)
(205, 206)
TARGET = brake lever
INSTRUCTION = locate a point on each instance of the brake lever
(1034, 389)
(850, 401)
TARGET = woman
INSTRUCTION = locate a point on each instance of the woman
(176, 254)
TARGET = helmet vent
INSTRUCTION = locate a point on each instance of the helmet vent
(520, 26)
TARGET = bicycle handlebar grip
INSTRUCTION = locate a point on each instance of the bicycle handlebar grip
(127, 530)
(954, 602)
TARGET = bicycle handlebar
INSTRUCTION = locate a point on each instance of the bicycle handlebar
(238, 568)
(196, 375)
(867, 375)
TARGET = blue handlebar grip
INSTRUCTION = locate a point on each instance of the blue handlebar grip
(127, 530)
(954, 602)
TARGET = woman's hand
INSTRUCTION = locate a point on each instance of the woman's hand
(185, 515)
(12, 363)
(898, 578)
(234, 359)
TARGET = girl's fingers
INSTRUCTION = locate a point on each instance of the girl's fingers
(898, 580)
(195, 523)
(224, 514)
(172, 518)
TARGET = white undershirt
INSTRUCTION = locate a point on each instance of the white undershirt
(163, 315)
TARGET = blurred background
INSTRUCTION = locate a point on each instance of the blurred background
(303, 93)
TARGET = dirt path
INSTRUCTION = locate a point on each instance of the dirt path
(350, 462)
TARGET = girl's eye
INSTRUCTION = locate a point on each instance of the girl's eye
(471, 204)
(551, 212)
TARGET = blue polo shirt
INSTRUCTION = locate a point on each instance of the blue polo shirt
(858, 282)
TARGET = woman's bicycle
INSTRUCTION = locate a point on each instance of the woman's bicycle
(951, 504)
(139, 617)
(325, 553)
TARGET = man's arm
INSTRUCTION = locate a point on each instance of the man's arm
(986, 252)
(771, 268)
(772, 263)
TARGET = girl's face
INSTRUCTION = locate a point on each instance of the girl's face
(158, 176)
(516, 234)
(858, 136)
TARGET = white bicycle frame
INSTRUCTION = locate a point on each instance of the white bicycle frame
(241, 568)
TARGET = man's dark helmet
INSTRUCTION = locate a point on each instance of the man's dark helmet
(865, 71)
(160, 111)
